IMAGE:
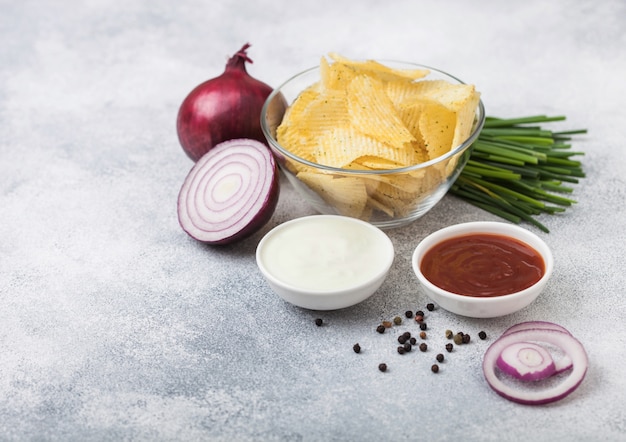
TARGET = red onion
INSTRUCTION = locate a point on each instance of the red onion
(561, 364)
(531, 325)
(223, 108)
(526, 361)
(536, 395)
(230, 193)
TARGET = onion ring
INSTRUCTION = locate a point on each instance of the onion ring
(565, 341)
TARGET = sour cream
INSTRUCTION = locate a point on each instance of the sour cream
(324, 255)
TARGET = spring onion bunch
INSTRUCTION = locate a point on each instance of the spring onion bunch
(518, 169)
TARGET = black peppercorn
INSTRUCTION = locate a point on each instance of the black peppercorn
(423, 346)
(482, 335)
(319, 322)
(419, 313)
(408, 314)
(435, 368)
(401, 349)
(430, 306)
(401, 339)
(439, 357)
(413, 341)
(407, 334)
(423, 326)
(380, 329)
(449, 347)
(466, 338)
(382, 367)
(357, 348)
(407, 347)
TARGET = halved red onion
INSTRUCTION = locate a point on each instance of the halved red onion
(560, 364)
(526, 361)
(536, 396)
(230, 193)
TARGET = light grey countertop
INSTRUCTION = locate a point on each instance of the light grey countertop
(115, 325)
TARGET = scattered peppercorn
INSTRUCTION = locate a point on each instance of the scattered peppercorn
(423, 326)
(419, 318)
(435, 368)
(413, 341)
(466, 338)
(449, 334)
(423, 346)
(449, 347)
(382, 367)
(397, 320)
(407, 334)
(408, 314)
(419, 313)
(319, 322)
(400, 349)
(357, 348)
(430, 306)
(423, 335)
(408, 347)
(482, 335)
(387, 324)
(458, 339)
(439, 357)
(380, 329)
(401, 339)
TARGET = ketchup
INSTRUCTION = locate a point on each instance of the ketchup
(482, 265)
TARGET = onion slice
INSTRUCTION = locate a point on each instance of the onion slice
(565, 341)
(230, 193)
(530, 325)
(526, 361)
(560, 364)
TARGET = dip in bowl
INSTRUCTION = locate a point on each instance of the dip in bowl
(325, 262)
(345, 160)
(483, 269)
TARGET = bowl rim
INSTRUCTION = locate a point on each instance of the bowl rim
(502, 228)
(389, 250)
(479, 122)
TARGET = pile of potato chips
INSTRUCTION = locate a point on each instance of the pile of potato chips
(365, 116)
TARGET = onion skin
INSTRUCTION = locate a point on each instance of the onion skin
(248, 170)
(223, 108)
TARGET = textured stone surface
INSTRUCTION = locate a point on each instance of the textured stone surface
(114, 325)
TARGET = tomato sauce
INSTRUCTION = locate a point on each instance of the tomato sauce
(482, 265)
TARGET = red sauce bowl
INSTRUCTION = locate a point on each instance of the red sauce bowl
(483, 269)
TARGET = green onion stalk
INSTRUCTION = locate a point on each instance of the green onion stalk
(518, 170)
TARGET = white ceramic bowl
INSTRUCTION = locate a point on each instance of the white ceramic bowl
(325, 262)
(483, 307)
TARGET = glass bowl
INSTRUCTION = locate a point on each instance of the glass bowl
(423, 184)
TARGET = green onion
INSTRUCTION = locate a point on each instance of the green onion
(517, 169)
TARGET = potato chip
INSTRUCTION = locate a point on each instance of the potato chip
(373, 113)
(348, 195)
(341, 146)
(379, 70)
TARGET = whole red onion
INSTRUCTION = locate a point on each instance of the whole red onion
(222, 108)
